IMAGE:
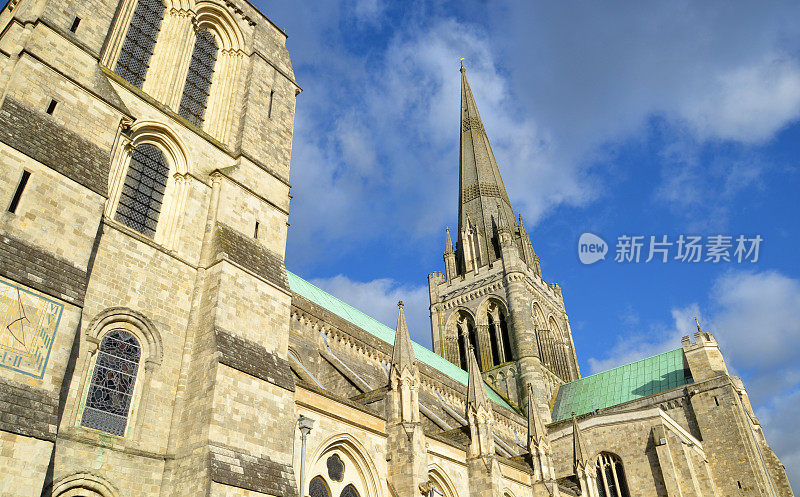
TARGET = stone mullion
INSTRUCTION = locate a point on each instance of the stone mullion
(221, 99)
(162, 62)
(498, 336)
(185, 38)
(451, 347)
(484, 343)
(117, 37)
(605, 479)
(562, 365)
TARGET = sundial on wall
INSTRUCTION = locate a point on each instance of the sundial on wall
(28, 324)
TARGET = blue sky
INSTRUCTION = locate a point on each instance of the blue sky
(645, 118)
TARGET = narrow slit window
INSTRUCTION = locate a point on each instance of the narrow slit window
(51, 107)
(255, 231)
(198, 81)
(137, 49)
(75, 24)
(271, 98)
(716, 401)
(12, 208)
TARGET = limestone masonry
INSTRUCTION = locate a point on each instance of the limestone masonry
(152, 342)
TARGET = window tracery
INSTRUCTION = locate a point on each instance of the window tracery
(611, 476)
(335, 468)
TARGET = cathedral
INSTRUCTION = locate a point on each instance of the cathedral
(154, 344)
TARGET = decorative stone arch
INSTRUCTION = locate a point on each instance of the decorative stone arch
(217, 19)
(493, 324)
(83, 485)
(538, 316)
(438, 476)
(170, 220)
(135, 323)
(369, 481)
(458, 325)
(508, 493)
(150, 343)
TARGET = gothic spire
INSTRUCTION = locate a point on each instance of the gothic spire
(536, 430)
(448, 245)
(476, 391)
(578, 446)
(481, 189)
(403, 352)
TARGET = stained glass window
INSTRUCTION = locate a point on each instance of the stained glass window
(198, 80)
(143, 192)
(349, 491)
(134, 59)
(318, 488)
(335, 467)
(112, 383)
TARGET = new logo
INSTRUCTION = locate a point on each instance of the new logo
(591, 248)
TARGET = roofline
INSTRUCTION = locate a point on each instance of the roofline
(622, 365)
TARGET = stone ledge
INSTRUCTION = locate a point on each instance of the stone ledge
(231, 466)
(251, 255)
(33, 267)
(28, 411)
(44, 140)
(253, 359)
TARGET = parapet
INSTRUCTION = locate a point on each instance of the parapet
(704, 356)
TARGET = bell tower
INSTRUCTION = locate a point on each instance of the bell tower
(492, 297)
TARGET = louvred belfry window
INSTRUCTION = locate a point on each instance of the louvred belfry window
(111, 389)
(137, 49)
(198, 80)
(143, 192)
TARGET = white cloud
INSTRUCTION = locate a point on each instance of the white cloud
(378, 299)
(642, 345)
(755, 316)
(758, 319)
(375, 151)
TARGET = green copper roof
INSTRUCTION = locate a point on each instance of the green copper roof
(380, 330)
(622, 384)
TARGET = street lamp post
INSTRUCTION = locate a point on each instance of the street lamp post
(305, 424)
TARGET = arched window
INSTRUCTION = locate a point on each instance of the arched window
(349, 491)
(462, 347)
(506, 339)
(198, 80)
(143, 191)
(111, 389)
(318, 488)
(493, 341)
(610, 476)
(134, 59)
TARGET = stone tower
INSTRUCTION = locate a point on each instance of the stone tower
(492, 296)
(144, 156)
